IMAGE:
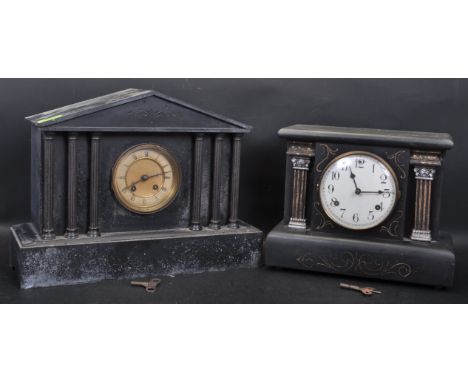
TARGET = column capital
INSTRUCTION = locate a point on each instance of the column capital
(300, 163)
(425, 173)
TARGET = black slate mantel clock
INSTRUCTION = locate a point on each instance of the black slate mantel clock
(363, 202)
(131, 184)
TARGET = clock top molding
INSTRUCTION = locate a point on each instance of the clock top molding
(364, 136)
(135, 110)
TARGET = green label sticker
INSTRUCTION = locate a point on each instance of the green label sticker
(53, 118)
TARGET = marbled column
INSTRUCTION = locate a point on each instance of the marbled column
(93, 229)
(215, 221)
(72, 229)
(47, 187)
(195, 224)
(300, 156)
(235, 178)
(425, 164)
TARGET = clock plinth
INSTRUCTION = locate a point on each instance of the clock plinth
(42, 263)
(363, 202)
(405, 261)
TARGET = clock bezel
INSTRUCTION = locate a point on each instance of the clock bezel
(176, 173)
(378, 158)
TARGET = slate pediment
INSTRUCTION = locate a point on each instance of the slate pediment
(134, 110)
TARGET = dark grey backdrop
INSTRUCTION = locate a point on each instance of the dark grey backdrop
(266, 104)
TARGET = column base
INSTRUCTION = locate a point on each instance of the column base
(297, 223)
(71, 233)
(421, 235)
(196, 227)
(48, 235)
(93, 232)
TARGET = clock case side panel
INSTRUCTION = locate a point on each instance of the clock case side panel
(207, 178)
(225, 185)
(36, 177)
(288, 190)
(207, 169)
(59, 180)
(398, 159)
(436, 200)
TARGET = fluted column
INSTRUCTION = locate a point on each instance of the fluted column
(215, 221)
(93, 229)
(235, 178)
(300, 172)
(72, 229)
(47, 187)
(195, 224)
(425, 164)
(300, 156)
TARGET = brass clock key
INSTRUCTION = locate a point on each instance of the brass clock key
(367, 291)
(150, 285)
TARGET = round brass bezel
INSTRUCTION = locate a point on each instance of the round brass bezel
(376, 157)
(176, 175)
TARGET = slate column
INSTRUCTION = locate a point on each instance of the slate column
(425, 164)
(72, 229)
(93, 229)
(47, 187)
(195, 224)
(301, 157)
(215, 222)
(235, 178)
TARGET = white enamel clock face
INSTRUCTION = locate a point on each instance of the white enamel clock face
(358, 190)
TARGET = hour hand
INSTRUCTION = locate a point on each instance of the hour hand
(353, 177)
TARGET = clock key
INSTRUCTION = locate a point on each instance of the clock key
(367, 291)
(150, 285)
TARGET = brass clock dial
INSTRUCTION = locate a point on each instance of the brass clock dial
(146, 178)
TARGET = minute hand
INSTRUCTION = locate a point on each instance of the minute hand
(143, 178)
(374, 192)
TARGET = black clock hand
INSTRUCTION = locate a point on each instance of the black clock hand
(372, 192)
(376, 192)
(143, 178)
(146, 177)
(353, 177)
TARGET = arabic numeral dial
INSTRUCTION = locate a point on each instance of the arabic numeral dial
(358, 190)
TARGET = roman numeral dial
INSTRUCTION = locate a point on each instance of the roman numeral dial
(358, 190)
(146, 178)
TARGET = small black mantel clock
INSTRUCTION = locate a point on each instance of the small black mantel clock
(363, 202)
(132, 184)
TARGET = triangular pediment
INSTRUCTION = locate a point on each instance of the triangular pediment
(134, 109)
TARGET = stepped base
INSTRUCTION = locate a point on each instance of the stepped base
(409, 261)
(42, 263)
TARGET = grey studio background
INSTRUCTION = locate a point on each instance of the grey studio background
(436, 105)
